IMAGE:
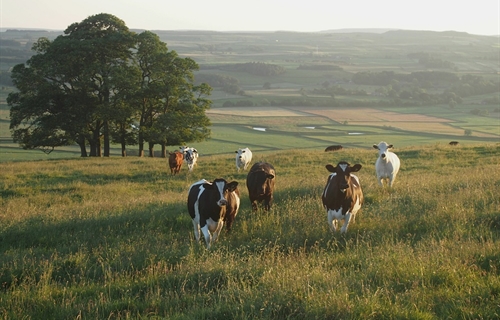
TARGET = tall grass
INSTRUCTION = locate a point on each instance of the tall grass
(111, 238)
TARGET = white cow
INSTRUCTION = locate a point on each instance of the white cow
(190, 156)
(243, 158)
(387, 164)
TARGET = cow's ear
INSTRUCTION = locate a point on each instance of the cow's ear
(330, 168)
(270, 176)
(375, 146)
(195, 150)
(231, 186)
(390, 146)
(236, 151)
(356, 167)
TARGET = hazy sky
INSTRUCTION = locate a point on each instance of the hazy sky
(475, 17)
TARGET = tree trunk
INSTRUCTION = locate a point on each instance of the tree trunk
(83, 149)
(141, 144)
(151, 150)
(106, 139)
(163, 149)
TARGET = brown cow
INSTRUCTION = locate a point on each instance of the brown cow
(334, 148)
(260, 184)
(175, 162)
(453, 143)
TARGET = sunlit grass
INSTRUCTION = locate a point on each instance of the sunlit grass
(111, 238)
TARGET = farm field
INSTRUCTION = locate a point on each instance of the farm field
(296, 108)
(111, 238)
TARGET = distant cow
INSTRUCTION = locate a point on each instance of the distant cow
(260, 184)
(190, 156)
(243, 158)
(175, 162)
(387, 164)
(453, 143)
(207, 206)
(342, 197)
(334, 148)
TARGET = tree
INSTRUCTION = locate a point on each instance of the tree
(101, 82)
(69, 84)
(166, 90)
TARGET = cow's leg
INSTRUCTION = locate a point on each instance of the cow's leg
(196, 226)
(206, 234)
(332, 222)
(380, 181)
(391, 180)
(346, 223)
(267, 203)
(217, 231)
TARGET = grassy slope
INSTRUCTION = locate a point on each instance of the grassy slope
(110, 238)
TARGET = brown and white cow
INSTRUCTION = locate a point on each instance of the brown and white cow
(175, 162)
(343, 196)
(260, 184)
(207, 205)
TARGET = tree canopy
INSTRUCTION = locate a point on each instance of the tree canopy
(99, 83)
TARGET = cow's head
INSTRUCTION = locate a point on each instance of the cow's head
(223, 187)
(343, 173)
(190, 153)
(382, 148)
(240, 152)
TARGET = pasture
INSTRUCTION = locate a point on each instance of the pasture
(111, 238)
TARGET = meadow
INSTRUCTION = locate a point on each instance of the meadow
(110, 238)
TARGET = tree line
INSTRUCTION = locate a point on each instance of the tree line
(99, 83)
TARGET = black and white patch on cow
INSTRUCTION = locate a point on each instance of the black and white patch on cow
(207, 206)
(342, 197)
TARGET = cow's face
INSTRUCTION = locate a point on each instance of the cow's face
(223, 187)
(190, 154)
(343, 172)
(382, 148)
(263, 182)
(240, 153)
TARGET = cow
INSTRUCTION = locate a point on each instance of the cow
(260, 184)
(387, 164)
(453, 143)
(243, 158)
(175, 162)
(343, 196)
(190, 156)
(207, 206)
(333, 148)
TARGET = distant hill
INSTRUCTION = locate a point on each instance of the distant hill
(358, 30)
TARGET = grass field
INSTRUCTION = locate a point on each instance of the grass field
(111, 238)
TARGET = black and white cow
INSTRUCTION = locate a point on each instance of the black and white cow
(342, 197)
(207, 205)
(190, 156)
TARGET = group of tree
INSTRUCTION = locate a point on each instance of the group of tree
(226, 83)
(414, 85)
(256, 68)
(98, 84)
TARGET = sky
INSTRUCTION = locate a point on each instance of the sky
(480, 17)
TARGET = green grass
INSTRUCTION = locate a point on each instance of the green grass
(111, 238)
